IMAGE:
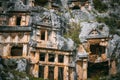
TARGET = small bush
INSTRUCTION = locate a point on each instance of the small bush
(73, 33)
(101, 7)
(112, 23)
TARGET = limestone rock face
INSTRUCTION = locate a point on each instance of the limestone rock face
(114, 46)
(65, 44)
(21, 65)
(87, 27)
(13, 69)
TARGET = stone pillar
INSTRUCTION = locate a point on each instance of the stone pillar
(36, 66)
(46, 35)
(56, 58)
(46, 58)
(66, 68)
(25, 49)
(35, 71)
(37, 56)
(6, 50)
(71, 74)
(113, 68)
(46, 72)
(56, 68)
(46, 67)
(65, 73)
(79, 68)
(56, 73)
(85, 69)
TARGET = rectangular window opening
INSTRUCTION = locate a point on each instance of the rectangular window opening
(51, 57)
(61, 58)
(16, 51)
(51, 73)
(18, 21)
(43, 35)
(60, 73)
(42, 56)
(41, 71)
(97, 49)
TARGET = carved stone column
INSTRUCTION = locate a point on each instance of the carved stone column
(81, 63)
(65, 73)
(66, 68)
(6, 50)
(71, 73)
(37, 56)
(46, 67)
(25, 49)
(56, 73)
(46, 72)
(113, 68)
(56, 68)
(36, 69)
(85, 69)
(79, 70)
(46, 35)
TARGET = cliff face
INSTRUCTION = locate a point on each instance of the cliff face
(81, 17)
(97, 13)
(13, 69)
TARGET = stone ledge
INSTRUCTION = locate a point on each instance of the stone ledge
(14, 29)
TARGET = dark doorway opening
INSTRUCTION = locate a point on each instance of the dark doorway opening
(18, 21)
(41, 71)
(16, 51)
(51, 73)
(60, 73)
(97, 70)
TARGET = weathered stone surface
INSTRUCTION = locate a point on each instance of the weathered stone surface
(21, 65)
(9, 70)
(87, 27)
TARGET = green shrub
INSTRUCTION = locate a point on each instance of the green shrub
(112, 23)
(73, 33)
(101, 7)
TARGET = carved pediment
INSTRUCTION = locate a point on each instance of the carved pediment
(94, 33)
(46, 20)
